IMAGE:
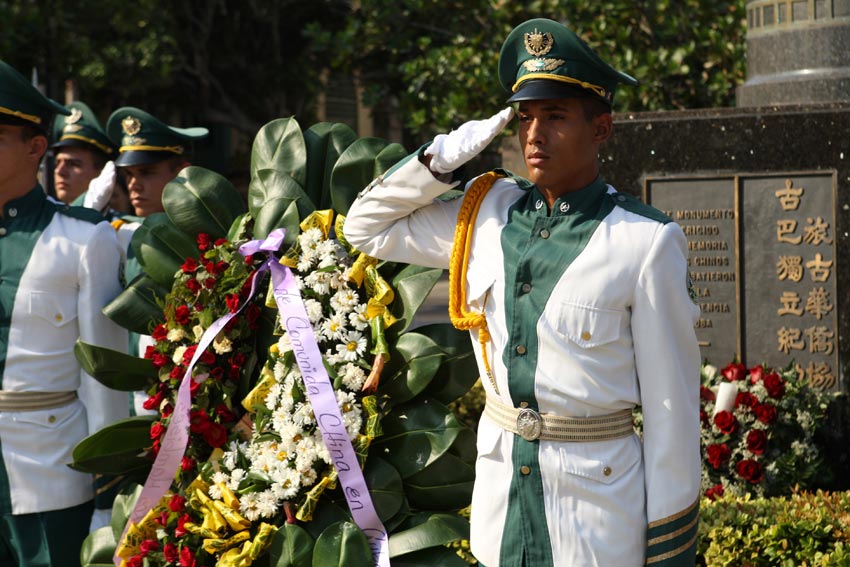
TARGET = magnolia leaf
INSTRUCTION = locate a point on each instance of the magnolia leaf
(359, 164)
(414, 361)
(274, 184)
(416, 435)
(122, 507)
(136, 307)
(114, 369)
(459, 370)
(445, 484)
(291, 546)
(240, 228)
(442, 556)
(161, 248)
(279, 212)
(98, 548)
(412, 285)
(328, 512)
(200, 200)
(343, 545)
(428, 530)
(118, 448)
(325, 142)
(278, 147)
(385, 487)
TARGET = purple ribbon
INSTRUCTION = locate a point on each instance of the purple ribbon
(322, 396)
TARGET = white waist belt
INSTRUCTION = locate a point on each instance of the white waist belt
(33, 401)
(531, 425)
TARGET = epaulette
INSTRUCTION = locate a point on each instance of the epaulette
(633, 205)
(81, 213)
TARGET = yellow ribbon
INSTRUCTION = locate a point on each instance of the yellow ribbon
(380, 296)
(317, 219)
(257, 396)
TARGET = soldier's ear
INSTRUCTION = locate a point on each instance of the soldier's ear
(603, 125)
(38, 146)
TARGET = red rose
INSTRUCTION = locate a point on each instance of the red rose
(706, 394)
(181, 314)
(160, 333)
(187, 464)
(734, 372)
(717, 454)
(215, 435)
(725, 422)
(220, 267)
(167, 410)
(217, 373)
(150, 350)
(153, 402)
(155, 447)
(177, 372)
(774, 385)
(157, 430)
(209, 283)
(189, 353)
(746, 399)
(207, 358)
(703, 418)
(225, 413)
(750, 471)
(204, 241)
(159, 360)
(180, 531)
(249, 259)
(187, 558)
(193, 285)
(714, 492)
(765, 413)
(756, 373)
(232, 302)
(147, 546)
(238, 359)
(220, 242)
(189, 266)
(135, 561)
(177, 503)
(757, 441)
(252, 314)
(199, 421)
(162, 519)
(170, 552)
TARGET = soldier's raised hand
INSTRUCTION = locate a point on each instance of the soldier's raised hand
(100, 188)
(450, 151)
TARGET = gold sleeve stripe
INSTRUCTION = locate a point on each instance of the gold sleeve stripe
(675, 516)
(672, 553)
(671, 535)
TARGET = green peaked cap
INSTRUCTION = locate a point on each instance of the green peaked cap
(82, 129)
(142, 138)
(543, 59)
(21, 104)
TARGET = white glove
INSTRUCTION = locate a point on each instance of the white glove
(452, 150)
(100, 188)
(100, 518)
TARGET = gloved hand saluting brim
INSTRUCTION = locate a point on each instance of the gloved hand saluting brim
(100, 188)
(450, 151)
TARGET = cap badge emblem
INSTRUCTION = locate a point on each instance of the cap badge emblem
(71, 128)
(131, 125)
(76, 114)
(539, 44)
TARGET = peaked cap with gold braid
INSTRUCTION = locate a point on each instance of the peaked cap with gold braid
(82, 129)
(543, 59)
(21, 104)
(143, 139)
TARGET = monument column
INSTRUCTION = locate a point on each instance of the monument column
(798, 51)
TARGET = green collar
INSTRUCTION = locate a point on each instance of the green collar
(26, 204)
(569, 203)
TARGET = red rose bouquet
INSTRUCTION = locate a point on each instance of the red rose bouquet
(758, 427)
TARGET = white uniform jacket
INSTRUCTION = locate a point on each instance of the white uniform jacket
(589, 311)
(58, 269)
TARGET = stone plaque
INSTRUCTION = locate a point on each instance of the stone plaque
(762, 258)
(705, 209)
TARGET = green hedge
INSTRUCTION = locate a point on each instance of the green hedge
(806, 529)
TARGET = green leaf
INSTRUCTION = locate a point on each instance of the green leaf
(359, 164)
(200, 200)
(122, 507)
(278, 154)
(385, 487)
(442, 556)
(116, 449)
(240, 229)
(136, 307)
(114, 369)
(291, 546)
(459, 371)
(162, 248)
(416, 435)
(431, 529)
(279, 212)
(278, 185)
(414, 361)
(98, 548)
(446, 484)
(325, 142)
(412, 285)
(342, 544)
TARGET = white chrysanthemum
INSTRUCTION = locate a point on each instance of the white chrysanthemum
(333, 328)
(310, 238)
(338, 280)
(357, 317)
(332, 358)
(221, 344)
(305, 262)
(709, 371)
(307, 451)
(289, 484)
(198, 331)
(177, 357)
(176, 335)
(309, 476)
(248, 506)
(344, 300)
(353, 347)
(236, 476)
(267, 504)
(351, 412)
(314, 310)
(353, 377)
(318, 282)
(303, 415)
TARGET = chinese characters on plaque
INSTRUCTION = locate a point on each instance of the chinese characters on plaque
(762, 261)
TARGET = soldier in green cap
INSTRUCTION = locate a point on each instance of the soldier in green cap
(577, 299)
(81, 149)
(58, 269)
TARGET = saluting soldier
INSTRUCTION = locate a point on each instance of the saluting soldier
(58, 269)
(578, 304)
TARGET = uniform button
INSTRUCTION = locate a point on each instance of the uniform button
(520, 349)
(621, 198)
(2, 231)
(525, 470)
(523, 405)
(13, 212)
(606, 471)
(544, 234)
(564, 207)
(51, 419)
(585, 336)
(58, 317)
(539, 204)
(526, 287)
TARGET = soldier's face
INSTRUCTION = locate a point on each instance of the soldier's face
(75, 167)
(560, 144)
(19, 159)
(145, 184)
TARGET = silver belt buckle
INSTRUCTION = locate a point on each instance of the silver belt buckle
(529, 424)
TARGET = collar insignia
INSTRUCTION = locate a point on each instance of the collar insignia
(131, 125)
(76, 114)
